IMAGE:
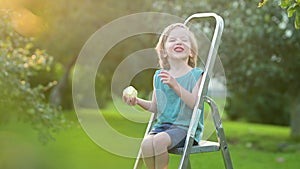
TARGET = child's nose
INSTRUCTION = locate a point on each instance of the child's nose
(179, 41)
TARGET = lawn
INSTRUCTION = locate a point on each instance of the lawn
(252, 146)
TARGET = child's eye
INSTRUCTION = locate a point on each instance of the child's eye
(184, 40)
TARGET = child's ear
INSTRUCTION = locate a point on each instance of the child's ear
(191, 53)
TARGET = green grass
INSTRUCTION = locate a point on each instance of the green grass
(252, 146)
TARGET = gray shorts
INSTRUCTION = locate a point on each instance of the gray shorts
(177, 134)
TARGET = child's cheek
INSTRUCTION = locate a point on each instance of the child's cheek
(188, 45)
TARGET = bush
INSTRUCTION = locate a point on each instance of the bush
(20, 62)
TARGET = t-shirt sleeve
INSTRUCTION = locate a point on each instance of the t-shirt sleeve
(155, 79)
(198, 73)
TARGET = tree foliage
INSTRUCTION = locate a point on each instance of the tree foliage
(20, 63)
(292, 8)
(67, 25)
(70, 24)
(259, 80)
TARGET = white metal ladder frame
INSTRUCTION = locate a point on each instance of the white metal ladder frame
(204, 146)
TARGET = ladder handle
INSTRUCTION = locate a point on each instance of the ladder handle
(216, 37)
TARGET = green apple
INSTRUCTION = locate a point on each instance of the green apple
(130, 91)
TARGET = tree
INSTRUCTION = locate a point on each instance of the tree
(292, 8)
(20, 63)
(70, 24)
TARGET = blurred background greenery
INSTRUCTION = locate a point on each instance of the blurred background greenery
(40, 42)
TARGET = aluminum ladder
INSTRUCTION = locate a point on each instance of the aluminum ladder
(203, 146)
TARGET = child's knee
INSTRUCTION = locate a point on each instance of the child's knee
(161, 142)
(147, 144)
(147, 147)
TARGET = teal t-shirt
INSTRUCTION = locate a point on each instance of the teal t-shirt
(170, 107)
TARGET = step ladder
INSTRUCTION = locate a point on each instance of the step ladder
(203, 146)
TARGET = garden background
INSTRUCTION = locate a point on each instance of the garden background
(40, 42)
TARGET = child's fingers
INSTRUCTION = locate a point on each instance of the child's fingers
(131, 101)
(164, 77)
(126, 99)
(163, 74)
(164, 80)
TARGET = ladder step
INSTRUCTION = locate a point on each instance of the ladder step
(203, 146)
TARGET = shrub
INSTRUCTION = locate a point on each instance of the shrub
(20, 61)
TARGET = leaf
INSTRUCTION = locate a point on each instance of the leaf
(297, 19)
(29, 46)
(262, 3)
(284, 3)
(291, 10)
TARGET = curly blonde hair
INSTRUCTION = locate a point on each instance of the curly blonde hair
(160, 47)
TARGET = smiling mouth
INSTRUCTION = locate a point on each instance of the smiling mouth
(178, 49)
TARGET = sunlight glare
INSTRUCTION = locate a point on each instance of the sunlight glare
(23, 20)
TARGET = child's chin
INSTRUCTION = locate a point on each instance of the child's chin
(181, 55)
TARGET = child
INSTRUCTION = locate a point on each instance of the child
(176, 86)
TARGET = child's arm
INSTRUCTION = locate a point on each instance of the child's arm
(187, 97)
(149, 105)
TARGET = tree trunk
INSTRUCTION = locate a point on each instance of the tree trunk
(56, 92)
(295, 118)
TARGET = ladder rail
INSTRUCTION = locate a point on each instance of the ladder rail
(211, 146)
(139, 162)
(220, 133)
(216, 39)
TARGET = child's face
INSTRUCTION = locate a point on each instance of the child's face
(178, 44)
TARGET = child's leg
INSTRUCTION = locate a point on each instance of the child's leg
(148, 151)
(161, 141)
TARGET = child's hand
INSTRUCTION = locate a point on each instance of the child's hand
(166, 78)
(130, 96)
